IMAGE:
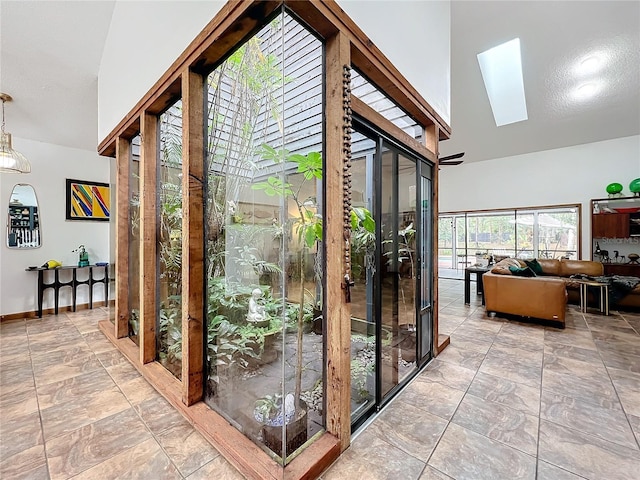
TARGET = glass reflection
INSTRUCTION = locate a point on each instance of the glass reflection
(263, 236)
(134, 241)
(169, 333)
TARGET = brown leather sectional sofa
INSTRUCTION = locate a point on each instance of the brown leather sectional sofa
(543, 297)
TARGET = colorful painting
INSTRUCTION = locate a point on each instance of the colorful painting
(88, 200)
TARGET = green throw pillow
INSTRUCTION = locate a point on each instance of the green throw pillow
(535, 266)
(522, 272)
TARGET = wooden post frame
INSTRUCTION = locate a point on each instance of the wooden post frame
(123, 213)
(193, 121)
(148, 226)
(338, 332)
(346, 47)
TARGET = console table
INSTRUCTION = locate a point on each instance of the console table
(73, 283)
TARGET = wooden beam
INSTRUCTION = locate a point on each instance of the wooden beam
(373, 117)
(123, 165)
(225, 31)
(193, 148)
(314, 460)
(338, 321)
(148, 226)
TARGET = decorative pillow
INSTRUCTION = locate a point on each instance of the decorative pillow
(502, 267)
(522, 272)
(535, 266)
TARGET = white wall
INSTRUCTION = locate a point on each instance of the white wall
(51, 165)
(145, 38)
(415, 36)
(561, 176)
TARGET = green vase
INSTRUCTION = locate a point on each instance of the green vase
(634, 186)
(614, 188)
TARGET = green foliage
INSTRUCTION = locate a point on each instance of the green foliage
(360, 371)
(269, 406)
(226, 346)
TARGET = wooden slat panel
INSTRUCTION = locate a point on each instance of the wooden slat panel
(123, 164)
(148, 226)
(223, 33)
(338, 334)
(369, 114)
(193, 236)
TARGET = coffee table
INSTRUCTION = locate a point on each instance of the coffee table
(584, 295)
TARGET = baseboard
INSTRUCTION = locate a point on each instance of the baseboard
(50, 311)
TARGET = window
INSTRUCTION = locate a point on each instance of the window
(546, 232)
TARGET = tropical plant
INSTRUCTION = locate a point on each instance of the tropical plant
(308, 225)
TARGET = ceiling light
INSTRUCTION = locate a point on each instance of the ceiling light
(501, 69)
(587, 90)
(11, 161)
(590, 64)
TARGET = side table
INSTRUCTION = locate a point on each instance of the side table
(584, 295)
(479, 271)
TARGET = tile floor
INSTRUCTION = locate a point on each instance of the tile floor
(505, 400)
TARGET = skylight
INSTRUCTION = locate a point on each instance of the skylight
(501, 68)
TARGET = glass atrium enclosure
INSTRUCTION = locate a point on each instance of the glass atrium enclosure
(275, 231)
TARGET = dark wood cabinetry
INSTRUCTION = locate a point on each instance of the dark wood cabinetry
(627, 269)
(615, 228)
(610, 225)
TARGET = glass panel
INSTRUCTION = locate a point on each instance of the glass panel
(494, 233)
(398, 276)
(557, 236)
(134, 241)
(23, 225)
(263, 234)
(462, 259)
(426, 270)
(445, 242)
(425, 236)
(363, 249)
(526, 235)
(169, 333)
(407, 264)
(373, 97)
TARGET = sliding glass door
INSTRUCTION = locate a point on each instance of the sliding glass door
(391, 305)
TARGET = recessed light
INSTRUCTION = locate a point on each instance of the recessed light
(590, 64)
(587, 90)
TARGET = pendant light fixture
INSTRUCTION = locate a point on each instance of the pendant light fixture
(11, 161)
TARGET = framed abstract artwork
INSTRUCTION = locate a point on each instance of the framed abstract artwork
(88, 200)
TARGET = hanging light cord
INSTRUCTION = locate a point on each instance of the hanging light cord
(3, 100)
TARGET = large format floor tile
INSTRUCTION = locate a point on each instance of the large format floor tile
(507, 400)
(586, 455)
(498, 422)
(72, 406)
(463, 454)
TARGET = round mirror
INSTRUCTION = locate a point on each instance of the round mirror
(23, 224)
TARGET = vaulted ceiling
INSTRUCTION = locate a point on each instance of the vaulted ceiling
(50, 55)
